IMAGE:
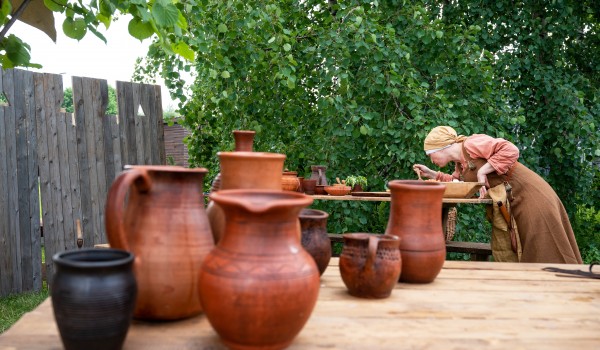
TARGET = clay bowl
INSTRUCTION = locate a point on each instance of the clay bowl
(320, 189)
(338, 190)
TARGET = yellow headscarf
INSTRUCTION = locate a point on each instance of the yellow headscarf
(441, 137)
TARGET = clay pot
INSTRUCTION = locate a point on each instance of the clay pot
(370, 264)
(290, 181)
(244, 140)
(320, 190)
(309, 186)
(318, 173)
(300, 181)
(93, 296)
(165, 225)
(245, 170)
(259, 286)
(357, 188)
(313, 226)
(415, 218)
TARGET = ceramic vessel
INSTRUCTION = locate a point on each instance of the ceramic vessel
(320, 190)
(290, 181)
(370, 264)
(309, 186)
(415, 218)
(93, 296)
(313, 227)
(244, 170)
(318, 173)
(165, 225)
(244, 142)
(259, 286)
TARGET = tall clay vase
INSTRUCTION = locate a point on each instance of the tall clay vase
(313, 227)
(93, 296)
(415, 217)
(259, 286)
(244, 142)
(165, 225)
(244, 170)
(370, 264)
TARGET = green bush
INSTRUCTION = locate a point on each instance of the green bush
(586, 226)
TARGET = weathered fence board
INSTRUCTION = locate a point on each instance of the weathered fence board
(77, 156)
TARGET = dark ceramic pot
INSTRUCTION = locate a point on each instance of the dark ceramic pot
(93, 297)
(313, 225)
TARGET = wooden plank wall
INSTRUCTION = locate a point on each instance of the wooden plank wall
(77, 156)
(175, 149)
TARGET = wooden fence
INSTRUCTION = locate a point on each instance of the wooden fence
(68, 160)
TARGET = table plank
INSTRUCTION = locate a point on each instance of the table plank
(388, 199)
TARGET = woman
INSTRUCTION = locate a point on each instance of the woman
(536, 218)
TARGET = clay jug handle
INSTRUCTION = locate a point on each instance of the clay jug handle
(371, 253)
(319, 179)
(113, 215)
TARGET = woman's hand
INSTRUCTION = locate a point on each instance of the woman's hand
(482, 177)
(424, 171)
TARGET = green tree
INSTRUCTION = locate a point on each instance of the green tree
(111, 108)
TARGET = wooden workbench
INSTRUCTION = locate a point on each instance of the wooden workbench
(471, 305)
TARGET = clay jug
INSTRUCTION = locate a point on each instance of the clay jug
(259, 286)
(318, 173)
(313, 227)
(244, 170)
(165, 225)
(244, 142)
(415, 217)
(370, 264)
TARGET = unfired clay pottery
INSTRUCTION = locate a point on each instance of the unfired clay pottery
(259, 286)
(415, 217)
(370, 264)
(313, 224)
(165, 225)
(245, 170)
(318, 173)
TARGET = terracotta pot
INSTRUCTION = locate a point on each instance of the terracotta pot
(357, 188)
(165, 225)
(300, 181)
(415, 218)
(290, 181)
(309, 186)
(318, 173)
(259, 286)
(313, 226)
(244, 140)
(245, 170)
(93, 296)
(320, 190)
(370, 264)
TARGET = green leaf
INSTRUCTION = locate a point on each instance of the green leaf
(225, 74)
(5, 10)
(74, 28)
(363, 130)
(222, 28)
(16, 51)
(140, 30)
(165, 13)
(106, 20)
(287, 47)
(183, 50)
(439, 34)
(55, 5)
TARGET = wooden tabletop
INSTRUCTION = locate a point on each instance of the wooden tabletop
(387, 199)
(471, 305)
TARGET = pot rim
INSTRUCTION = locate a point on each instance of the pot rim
(169, 168)
(248, 154)
(93, 257)
(285, 198)
(432, 185)
(309, 213)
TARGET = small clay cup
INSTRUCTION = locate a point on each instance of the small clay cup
(320, 189)
(309, 186)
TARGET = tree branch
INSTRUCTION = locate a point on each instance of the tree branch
(13, 18)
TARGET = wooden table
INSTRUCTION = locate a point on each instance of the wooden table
(471, 305)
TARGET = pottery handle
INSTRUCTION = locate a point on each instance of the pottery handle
(319, 179)
(113, 214)
(372, 252)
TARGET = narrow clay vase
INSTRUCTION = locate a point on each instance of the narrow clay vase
(370, 264)
(244, 142)
(415, 217)
(93, 296)
(313, 227)
(309, 186)
(259, 286)
(244, 170)
(318, 173)
(165, 225)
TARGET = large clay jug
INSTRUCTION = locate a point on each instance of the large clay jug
(313, 226)
(244, 170)
(164, 224)
(415, 217)
(318, 173)
(259, 286)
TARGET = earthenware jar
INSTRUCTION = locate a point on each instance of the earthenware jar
(309, 186)
(318, 173)
(259, 286)
(165, 225)
(93, 296)
(313, 226)
(370, 264)
(244, 140)
(290, 181)
(245, 170)
(415, 217)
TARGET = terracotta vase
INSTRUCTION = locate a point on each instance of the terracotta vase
(165, 225)
(313, 227)
(309, 186)
(318, 173)
(244, 170)
(259, 286)
(370, 264)
(415, 217)
(244, 142)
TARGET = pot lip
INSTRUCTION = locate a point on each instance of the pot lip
(286, 198)
(247, 154)
(425, 185)
(169, 168)
(93, 258)
(309, 213)
(252, 132)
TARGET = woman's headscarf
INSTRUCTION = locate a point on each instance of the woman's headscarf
(441, 137)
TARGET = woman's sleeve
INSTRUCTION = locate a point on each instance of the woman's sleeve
(447, 177)
(499, 153)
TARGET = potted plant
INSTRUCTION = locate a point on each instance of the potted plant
(357, 183)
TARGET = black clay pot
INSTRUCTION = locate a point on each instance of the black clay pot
(93, 296)
(313, 224)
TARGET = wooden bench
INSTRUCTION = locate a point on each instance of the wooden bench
(477, 251)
